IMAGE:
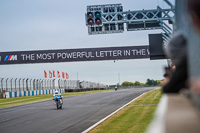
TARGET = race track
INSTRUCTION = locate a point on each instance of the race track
(78, 113)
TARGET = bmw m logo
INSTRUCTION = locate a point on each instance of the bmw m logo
(10, 58)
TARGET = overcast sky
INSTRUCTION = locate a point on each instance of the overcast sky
(60, 24)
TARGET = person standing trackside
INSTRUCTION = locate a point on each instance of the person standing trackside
(116, 88)
(176, 50)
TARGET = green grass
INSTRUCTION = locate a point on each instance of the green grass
(8, 102)
(134, 118)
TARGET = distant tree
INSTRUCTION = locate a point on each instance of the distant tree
(155, 83)
(149, 82)
(137, 83)
(158, 82)
(125, 83)
(131, 84)
(111, 86)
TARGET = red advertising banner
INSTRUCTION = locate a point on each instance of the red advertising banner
(67, 76)
(45, 74)
(54, 74)
(58, 74)
(63, 75)
(50, 74)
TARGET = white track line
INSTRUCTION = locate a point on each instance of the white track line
(90, 128)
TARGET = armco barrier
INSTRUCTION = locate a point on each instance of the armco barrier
(31, 93)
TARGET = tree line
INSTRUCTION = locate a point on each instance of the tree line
(149, 82)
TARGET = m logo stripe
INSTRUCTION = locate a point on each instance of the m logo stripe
(9, 57)
(6, 58)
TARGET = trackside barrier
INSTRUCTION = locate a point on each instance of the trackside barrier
(31, 85)
(31, 93)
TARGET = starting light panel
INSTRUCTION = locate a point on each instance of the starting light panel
(110, 18)
(93, 16)
(97, 24)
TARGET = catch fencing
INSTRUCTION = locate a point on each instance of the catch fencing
(26, 84)
(34, 86)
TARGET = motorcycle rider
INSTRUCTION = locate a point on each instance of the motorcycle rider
(57, 93)
(116, 88)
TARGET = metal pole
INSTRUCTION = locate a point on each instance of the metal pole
(53, 83)
(48, 84)
(37, 84)
(42, 85)
(15, 84)
(59, 83)
(6, 84)
(45, 83)
(11, 83)
(49, 81)
(19, 84)
(65, 84)
(33, 84)
(27, 84)
(2, 86)
(30, 83)
(23, 83)
(62, 83)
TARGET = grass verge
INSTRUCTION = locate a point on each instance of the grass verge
(134, 118)
(8, 102)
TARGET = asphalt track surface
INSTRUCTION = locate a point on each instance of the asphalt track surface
(78, 113)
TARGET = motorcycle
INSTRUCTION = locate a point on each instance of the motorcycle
(58, 101)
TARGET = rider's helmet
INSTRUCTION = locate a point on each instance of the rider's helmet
(56, 92)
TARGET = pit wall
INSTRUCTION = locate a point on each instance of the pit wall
(30, 93)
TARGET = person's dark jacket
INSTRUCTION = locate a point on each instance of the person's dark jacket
(178, 79)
